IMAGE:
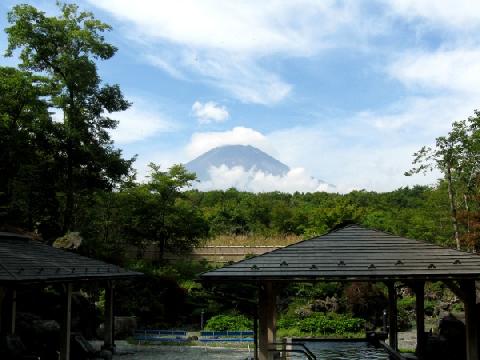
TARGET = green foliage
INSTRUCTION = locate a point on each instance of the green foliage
(27, 162)
(458, 307)
(406, 311)
(158, 212)
(407, 303)
(457, 156)
(317, 290)
(320, 324)
(229, 323)
(66, 48)
(419, 212)
(157, 301)
(181, 270)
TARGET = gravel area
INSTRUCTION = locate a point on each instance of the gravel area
(127, 351)
(407, 339)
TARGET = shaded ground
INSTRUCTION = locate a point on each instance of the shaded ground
(150, 352)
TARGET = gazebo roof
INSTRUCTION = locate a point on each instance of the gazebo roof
(23, 260)
(354, 253)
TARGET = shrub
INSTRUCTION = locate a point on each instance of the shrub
(319, 290)
(229, 323)
(323, 324)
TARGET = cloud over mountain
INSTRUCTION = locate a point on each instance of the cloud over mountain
(249, 169)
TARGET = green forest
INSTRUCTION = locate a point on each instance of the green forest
(66, 176)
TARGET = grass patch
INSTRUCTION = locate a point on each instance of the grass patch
(252, 240)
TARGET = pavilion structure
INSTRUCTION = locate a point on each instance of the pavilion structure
(25, 262)
(355, 253)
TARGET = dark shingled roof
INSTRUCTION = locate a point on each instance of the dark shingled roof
(23, 260)
(354, 253)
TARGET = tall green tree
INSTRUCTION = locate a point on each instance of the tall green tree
(160, 213)
(66, 49)
(457, 156)
(27, 152)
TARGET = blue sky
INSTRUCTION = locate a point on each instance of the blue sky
(343, 91)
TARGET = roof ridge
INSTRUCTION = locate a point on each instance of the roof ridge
(411, 239)
(282, 248)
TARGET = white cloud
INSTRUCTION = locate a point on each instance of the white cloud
(460, 14)
(240, 76)
(226, 43)
(372, 149)
(248, 27)
(209, 112)
(354, 156)
(139, 122)
(253, 180)
(204, 141)
(419, 117)
(165, 65)
(455, 70)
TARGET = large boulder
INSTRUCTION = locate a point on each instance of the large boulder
(69, 241)
(39, 336)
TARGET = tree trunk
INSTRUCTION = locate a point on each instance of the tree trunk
(69, 201)
(161, 248)
(467, 214)
(453, 207)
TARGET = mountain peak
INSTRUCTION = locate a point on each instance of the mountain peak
(245, 156)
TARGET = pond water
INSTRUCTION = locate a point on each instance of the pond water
(323, 350)
(343, 350)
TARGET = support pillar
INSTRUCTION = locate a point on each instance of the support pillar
(267, 320)
(65, 330)
(2, 296)
(419, 289)
(392, 316)
(108, 340)
(255, 334)
(9, 310)
(13, 322)
(471, 325)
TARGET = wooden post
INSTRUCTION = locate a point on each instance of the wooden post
(267, 320)
(419, 289)
(109, 325)
(2, 296)
(392, 316)
(287, 348)
(255, 334)
(471, 326)
(66, 324)
(13, 322)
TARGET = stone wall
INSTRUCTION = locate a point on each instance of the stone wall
(217, 254)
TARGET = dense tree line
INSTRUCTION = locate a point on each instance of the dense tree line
(419, 212)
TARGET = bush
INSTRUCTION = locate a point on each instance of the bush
(318, 290)
(229, 323)
(323, 324)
